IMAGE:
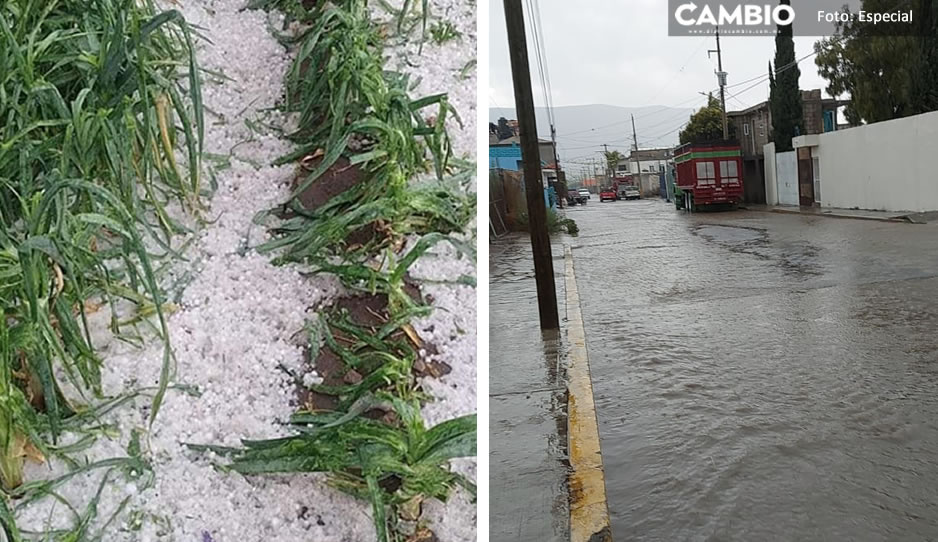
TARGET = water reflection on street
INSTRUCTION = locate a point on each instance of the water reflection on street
(762, 376)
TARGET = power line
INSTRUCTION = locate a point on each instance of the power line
(655, 112)
(684, 65)
(543, 49)
(539, 58)
(765, 78)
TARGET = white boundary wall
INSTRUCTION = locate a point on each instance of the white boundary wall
(771, 190)
(883, 166)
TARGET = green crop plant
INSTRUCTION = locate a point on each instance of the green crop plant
(95, 100)
(353, 113)
(396, 466)
(444, 31)
(350, 107)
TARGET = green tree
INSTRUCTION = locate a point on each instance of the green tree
(888, 71)
(612, 160)
(706, 124)
(925, 74)
(784, 94)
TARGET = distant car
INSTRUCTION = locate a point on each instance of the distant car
(629, 192)
(607, 194)
(584, 192)
(582, 195)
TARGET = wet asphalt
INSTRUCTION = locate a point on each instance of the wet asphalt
(757, 376)
(527, 401)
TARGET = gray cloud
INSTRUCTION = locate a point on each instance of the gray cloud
(619, 53)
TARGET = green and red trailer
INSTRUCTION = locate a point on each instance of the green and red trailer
(708, 174)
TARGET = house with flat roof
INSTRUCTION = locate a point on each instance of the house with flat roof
(754, 131)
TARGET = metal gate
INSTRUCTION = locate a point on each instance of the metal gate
(786, 178)
(805, 178)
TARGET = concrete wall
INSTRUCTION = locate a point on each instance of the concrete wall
(885, 166)
(649, 185)
(751, 144)
(771, 189)
(786, 177)
(509, 156)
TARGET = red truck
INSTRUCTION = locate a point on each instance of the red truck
(708, 174)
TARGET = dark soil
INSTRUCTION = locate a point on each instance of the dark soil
(340, 177)
(368, 312)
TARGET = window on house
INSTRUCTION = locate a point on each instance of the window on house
(746, 128)
(729, 173)
(706, 174)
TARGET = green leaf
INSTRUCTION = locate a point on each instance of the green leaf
(447, 440)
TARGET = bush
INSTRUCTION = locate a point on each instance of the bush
(555, 223)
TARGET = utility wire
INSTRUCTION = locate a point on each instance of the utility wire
(761, 79)
(543, 49)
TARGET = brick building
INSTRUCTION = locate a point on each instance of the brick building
(754, 130)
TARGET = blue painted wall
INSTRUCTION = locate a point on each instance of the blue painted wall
(505, 157)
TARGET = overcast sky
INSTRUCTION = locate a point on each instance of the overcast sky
(618, 52)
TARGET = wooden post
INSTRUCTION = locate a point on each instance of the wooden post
(531, 157)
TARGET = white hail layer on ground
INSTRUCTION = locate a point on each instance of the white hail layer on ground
(451, 328)
(237, 323)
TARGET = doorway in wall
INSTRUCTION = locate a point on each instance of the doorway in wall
(816, 169)
(805, 178)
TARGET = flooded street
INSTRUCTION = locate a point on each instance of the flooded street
(760, 376)
(527, 398)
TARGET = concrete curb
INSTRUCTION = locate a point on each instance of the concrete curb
(589, 513)
(832, 215)
(898, 219)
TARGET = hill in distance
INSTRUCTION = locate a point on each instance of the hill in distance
(582, 129)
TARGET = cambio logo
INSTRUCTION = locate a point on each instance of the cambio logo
(742, 15)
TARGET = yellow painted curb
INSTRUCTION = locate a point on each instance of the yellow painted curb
(589, 514)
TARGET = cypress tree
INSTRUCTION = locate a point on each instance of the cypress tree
(784, 94)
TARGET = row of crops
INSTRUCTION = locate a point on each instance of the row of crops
(102, 182)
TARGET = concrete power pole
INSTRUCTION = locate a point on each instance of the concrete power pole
(721, 78)
(606, 162)
(634, 136)
(530, 155)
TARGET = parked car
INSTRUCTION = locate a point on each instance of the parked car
(629, 192)
(584, 192)
(581, 196)
(607, 194)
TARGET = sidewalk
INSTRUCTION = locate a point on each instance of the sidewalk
(527, 398)
(858, 214)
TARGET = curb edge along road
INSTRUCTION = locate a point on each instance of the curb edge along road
(894, 218)
(589, 513)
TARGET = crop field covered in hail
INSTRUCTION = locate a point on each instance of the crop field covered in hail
(237, 269)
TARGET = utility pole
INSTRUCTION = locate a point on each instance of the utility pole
(553, 140)
(634, 136)
(606, 162)
(721, 78)
(530, 155)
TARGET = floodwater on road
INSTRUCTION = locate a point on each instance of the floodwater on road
(527, 397)
(762, 376)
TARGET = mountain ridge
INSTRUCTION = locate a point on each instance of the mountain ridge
(583, 129)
